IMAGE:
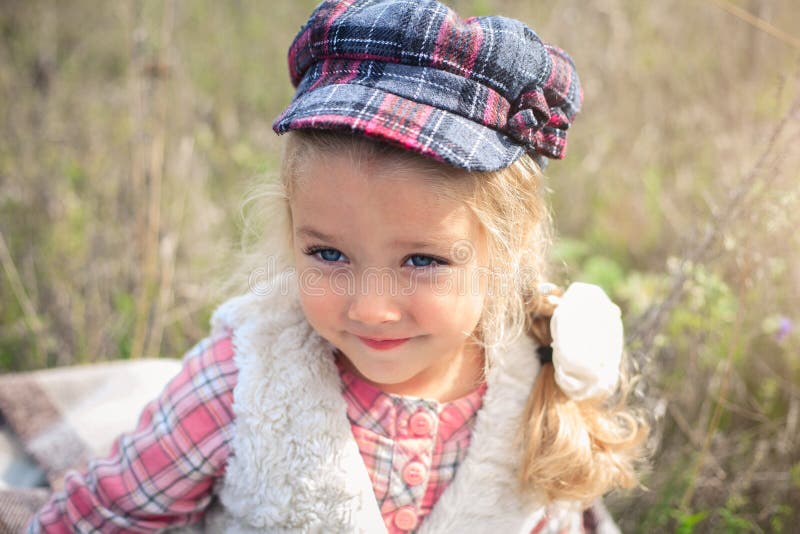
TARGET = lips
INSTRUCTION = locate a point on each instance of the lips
(382, 344)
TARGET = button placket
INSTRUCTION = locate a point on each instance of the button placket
(417, 424)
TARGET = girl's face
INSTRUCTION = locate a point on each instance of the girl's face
(390, 274)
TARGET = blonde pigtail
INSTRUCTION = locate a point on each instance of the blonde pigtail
(575, 450)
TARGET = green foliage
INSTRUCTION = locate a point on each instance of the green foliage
(685, 523)
(125, 309)
(593, 267)
(734, 523)
(795, 475)
(709, 308)
(779, 520)
(661, 514)
(604, 272)
(482, 8)
(570, 251)
(638, 290)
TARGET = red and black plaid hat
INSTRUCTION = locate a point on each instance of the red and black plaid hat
(475, 93)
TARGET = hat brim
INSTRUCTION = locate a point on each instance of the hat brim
(421, 128)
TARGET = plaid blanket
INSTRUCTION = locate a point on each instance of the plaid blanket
(55, 420)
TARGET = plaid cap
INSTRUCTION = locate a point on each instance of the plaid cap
(475, 93)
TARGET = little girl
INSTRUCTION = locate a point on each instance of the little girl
(398, 368)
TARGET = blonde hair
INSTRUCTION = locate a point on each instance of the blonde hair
(570, 450)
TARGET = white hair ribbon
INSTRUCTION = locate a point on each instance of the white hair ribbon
(587, 342)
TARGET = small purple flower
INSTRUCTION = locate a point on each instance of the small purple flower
(785, 327)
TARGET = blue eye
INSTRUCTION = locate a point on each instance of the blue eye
(420, 260)
(330, 255)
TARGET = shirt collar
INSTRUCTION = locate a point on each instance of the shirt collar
(389, 414)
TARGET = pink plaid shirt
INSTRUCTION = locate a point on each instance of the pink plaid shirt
(162, 474)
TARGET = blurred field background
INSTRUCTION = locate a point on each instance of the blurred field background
(131, 131)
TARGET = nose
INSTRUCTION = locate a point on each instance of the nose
(369, 306)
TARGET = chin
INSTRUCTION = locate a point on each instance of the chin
(391, 377)
(389, 371)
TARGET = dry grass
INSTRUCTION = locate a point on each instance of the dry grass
(131, 130)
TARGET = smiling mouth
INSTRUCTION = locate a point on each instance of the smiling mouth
(382, 344)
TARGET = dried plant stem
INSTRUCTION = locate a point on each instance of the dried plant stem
(34, 324)
(684, 426)
(168, 250)
(135, 96)
(711, 430)
(167, 257)
(758, 22)
(150, 259)
(789, 436)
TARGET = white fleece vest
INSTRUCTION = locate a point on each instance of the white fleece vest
(295, 465)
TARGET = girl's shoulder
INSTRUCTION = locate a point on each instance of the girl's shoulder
(211, 362)
(215, 349)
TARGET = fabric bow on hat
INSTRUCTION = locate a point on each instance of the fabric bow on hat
(587, 342)
(544, 112)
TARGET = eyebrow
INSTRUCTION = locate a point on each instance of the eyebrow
(310, 232)
(423, 244)
(434, 242)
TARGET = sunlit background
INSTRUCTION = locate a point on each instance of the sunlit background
(131, 131)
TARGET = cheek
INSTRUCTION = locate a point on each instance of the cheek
(320, 311)
(448, 311)
(320, 303)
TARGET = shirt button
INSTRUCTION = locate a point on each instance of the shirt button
(421, 424)
(405, 519)
(414, 473)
